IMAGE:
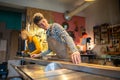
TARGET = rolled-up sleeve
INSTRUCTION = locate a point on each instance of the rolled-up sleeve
(68, 40)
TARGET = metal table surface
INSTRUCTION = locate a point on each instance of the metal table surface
(37, 72)
(109, 71)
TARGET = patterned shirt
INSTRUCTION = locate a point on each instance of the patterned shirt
(57, 32)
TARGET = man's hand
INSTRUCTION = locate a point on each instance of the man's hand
(76, 57)
(35, 55)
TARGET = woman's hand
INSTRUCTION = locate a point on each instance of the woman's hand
(35, 55)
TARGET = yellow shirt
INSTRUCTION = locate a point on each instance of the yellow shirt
(36, 42)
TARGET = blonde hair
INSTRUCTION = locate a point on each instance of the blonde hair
(25, 31)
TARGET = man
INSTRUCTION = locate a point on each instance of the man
(58, 40)
(83, 42)
(33, 44)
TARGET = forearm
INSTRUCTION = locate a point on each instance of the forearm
(37, 51)
(70, 43)
(45, 52)
(68, 40)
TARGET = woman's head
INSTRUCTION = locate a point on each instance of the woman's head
(24, 34)
(84, 35)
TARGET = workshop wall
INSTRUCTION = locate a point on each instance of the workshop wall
(103, 11)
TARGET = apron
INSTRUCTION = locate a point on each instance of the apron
(61, 49)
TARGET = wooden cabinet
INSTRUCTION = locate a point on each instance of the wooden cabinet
(101, 34)
(97, 34)
(115, 32)
(115, 37)
(105, 34)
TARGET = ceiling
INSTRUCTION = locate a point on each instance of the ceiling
(70, 2)
(55, 5)
(66, 3)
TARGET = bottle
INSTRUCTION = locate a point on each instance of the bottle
(107, 49)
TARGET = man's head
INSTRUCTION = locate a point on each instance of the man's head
(24, 34)
(40, 21)
(84, 35)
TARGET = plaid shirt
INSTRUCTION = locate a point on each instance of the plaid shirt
(57, 32)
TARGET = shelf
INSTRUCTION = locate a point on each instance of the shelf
(106, 33)
(112, 53)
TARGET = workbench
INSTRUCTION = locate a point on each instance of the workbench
(83, 71)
